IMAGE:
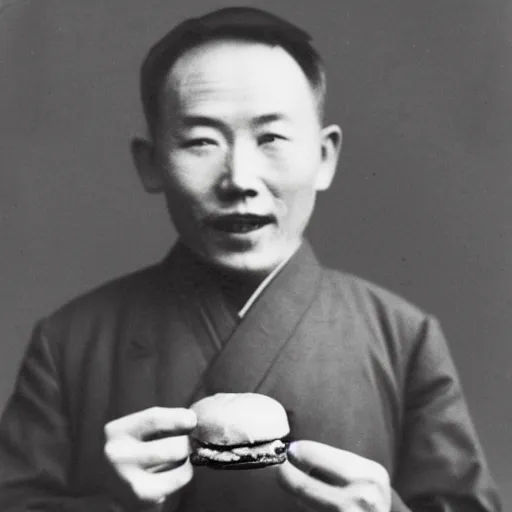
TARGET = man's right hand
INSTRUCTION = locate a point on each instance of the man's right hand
(149, 450)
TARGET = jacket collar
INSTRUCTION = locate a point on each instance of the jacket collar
(169, 355)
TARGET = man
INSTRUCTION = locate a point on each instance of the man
(99, 419)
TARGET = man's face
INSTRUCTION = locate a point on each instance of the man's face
(240, 153)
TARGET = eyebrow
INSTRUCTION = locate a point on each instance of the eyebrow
(269, 118)
(192, 121)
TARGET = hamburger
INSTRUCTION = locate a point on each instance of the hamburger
(239, 431)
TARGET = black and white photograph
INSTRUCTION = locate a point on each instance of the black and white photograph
(255, 256)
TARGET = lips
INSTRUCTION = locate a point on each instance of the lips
(240, 223)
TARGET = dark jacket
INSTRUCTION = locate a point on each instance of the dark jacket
(355, 366)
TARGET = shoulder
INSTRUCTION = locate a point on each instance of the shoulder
(366, 297)
(111, 295)
(103, 309)
(389, 319)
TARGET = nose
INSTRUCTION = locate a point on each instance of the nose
(241, 172)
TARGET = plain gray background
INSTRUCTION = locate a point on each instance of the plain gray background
(421, 204)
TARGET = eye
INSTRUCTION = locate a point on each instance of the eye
(198, 142)
(269, 138)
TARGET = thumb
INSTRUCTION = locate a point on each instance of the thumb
(331, 465)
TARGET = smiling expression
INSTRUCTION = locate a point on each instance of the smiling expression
(239, 153)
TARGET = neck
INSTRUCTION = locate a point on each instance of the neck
(237, 286)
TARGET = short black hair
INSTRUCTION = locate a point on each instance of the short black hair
(244, 23)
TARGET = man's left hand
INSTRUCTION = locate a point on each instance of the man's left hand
(323, 478)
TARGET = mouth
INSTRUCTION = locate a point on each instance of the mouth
(240, 223)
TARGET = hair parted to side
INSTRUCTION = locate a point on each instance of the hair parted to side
(244, 23)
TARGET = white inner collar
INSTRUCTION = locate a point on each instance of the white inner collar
(263, 285)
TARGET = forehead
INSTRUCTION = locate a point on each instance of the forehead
(238, 77)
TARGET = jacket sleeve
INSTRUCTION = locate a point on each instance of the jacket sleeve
(35, 449)
(441, 466)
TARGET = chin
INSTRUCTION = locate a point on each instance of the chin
(254, 262)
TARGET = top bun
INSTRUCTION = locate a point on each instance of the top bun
(239, 418)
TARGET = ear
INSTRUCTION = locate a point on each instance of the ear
(331, 140)
(149, 173)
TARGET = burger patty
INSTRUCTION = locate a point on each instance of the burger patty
(272, 452)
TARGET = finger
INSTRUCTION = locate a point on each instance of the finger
(334, 465)
(173, 421)
(126, 450)
(309, 491)
(314, 494)
(365, 497)
(155, 487)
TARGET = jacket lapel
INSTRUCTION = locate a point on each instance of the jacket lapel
(167, 337)
(255, 344)
(173, 350)
(198, 326)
